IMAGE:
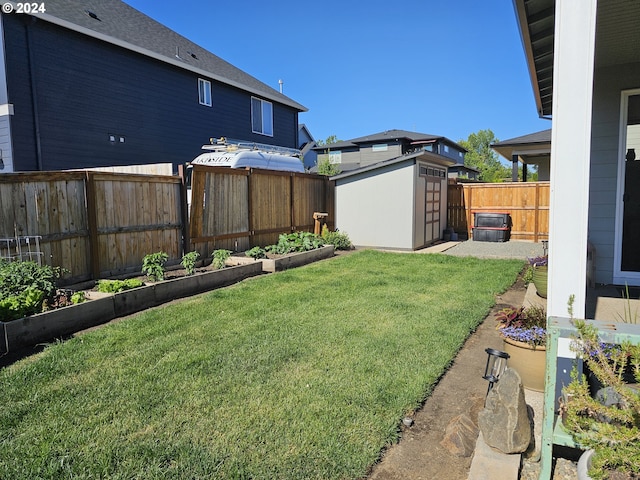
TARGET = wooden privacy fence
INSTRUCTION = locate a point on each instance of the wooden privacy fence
(527, 202)
(94, 224)
(240, 209)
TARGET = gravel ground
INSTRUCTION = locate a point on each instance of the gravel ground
(510, 249)
(564, 470)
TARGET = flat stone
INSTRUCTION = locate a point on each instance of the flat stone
(504, 422)
(460, 436)
(489, 464)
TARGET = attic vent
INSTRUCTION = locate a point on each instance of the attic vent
(92, 15)
(192, 55)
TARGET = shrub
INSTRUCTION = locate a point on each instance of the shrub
(256, 253)
(339, 240)
(153, 265)
(189, 262)
(220, 257)
(115, 286)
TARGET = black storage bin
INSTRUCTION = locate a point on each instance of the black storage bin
(494, 220)
(491, 234)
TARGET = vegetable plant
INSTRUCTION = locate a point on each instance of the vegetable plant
(78, 297)
(115, 286)
(220, 257)
(153, 265)
(339, 240)
(189, 262)
(256, 253)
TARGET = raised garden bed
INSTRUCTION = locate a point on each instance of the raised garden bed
(277, 263)
(101, 308)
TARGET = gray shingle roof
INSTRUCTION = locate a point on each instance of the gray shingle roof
(116, 22)
(388, 135)
(539, 137)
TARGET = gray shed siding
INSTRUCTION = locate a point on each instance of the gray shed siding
(88, 89)
(608, 85)
(375, 208)
(385, 207)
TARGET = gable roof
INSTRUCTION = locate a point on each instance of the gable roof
(543, 136)
(115, 22)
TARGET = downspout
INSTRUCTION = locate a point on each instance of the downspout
(34, 95)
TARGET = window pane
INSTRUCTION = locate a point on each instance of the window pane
(256, 115)
(267, 118)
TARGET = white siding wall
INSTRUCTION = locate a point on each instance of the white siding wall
(375, 208)
(608, 85)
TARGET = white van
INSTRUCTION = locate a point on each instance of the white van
(236, 154)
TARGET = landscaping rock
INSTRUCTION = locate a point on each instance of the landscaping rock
(460, 436)
(504, 422)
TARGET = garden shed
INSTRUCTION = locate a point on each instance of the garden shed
(398, 204)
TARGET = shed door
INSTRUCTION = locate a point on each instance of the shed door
(432, 227)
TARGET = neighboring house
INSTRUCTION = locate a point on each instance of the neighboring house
(97, 83)
(364, 151)
(398, 204)
(306, 143)
(532, 149)
(584, 63)
(460, 171)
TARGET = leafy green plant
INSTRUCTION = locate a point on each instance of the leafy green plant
(256, 253)
(27, 302)
(78, 297)
(339, 240)
(296, 242)
(220, 257)
(189, 262)
(15, 277)
(115, 286)
(153, 265)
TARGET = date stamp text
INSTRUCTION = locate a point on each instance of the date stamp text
(27, 7)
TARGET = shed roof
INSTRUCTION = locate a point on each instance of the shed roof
(115, 22)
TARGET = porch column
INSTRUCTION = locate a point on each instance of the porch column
(514, 168)
(575, 27)
(524, 172)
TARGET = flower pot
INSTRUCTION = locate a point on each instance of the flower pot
(529, 363)
(540, 279)
(583, 465)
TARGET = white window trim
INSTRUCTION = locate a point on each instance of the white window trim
(270, 119)
(204, 86)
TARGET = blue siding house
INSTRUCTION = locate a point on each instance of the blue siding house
(97, 83)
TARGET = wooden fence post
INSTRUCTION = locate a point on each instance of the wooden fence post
(184, 214)
(92, 222)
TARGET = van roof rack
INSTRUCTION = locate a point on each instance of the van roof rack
(224, 144)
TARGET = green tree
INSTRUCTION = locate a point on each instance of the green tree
(325, 167)
(481, 156)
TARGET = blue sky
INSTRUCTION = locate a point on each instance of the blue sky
(443, 67)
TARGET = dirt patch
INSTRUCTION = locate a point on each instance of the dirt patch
(462, 389)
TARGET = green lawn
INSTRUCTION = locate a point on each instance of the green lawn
(300, 374)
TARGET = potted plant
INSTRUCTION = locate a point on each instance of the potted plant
(539, 271)
(607, 424)
(524, 335)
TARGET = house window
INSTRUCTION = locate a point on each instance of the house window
(204, 92)
(446, 149)
(261, 117)
(381, 147)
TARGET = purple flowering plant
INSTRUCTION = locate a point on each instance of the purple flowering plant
(541, 261)
(526, 325)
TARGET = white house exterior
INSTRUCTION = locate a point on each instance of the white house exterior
(584, 62)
